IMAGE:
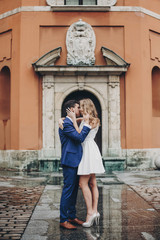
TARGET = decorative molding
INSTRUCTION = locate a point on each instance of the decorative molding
(55, 2)
(80, 42)
(154, 38)
(48, 113)
(80, 8)
(49, 58)
(106, 2)
(81, 70)
(81, 82)
(81, 86)
(114, 113)
(99, 8)
(48, 82)
(113, 84)
(25, 9)
(51, 2)
(6, 40)
(113, 81)
(113, 59)
(48, 85)
(99, 3)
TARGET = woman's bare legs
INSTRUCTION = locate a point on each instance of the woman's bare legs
(95, 193)
(83, 183)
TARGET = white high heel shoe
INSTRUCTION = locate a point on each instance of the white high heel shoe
(97, 218)
(91, 221)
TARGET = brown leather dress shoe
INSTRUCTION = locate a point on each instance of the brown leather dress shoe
(76, 221)
(67, 225)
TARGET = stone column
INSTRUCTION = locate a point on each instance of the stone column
(57, 139)
(59, 92)
(48, 117)
(114, 141)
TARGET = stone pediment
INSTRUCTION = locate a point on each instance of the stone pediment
(113, 59)
(115, 65)
(49, 58)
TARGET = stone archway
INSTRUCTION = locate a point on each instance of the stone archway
(103, 82)
(106, 89)
(78, 95)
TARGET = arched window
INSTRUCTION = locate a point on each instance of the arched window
(156, 92)
(5, 93)
(80, 2)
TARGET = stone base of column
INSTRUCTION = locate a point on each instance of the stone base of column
(116, 160)
(50, 165)
(20, 160)
(114, 164)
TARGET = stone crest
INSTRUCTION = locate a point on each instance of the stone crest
(80, 42)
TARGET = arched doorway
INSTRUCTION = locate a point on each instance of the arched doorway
(78, 95)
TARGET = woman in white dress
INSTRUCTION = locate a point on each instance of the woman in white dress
(91, 162)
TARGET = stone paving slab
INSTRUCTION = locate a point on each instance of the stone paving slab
(138, 178)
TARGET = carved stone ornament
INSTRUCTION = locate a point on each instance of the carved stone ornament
(55, 2)
(80, 42)
(107, 2)
(51, 2)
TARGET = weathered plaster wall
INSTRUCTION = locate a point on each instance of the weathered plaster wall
(35, 33)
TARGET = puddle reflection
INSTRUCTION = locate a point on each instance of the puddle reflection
(85, 234)
(124, 214)
(55, 181)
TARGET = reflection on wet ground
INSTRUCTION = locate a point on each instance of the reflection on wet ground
(124, 215)
(34, 178)
(127, 204)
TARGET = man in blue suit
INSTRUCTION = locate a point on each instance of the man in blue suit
(71, 156)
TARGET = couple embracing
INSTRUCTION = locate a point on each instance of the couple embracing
(80, 160)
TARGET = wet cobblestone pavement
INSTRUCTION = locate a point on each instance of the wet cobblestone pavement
(128, 203)
(16, 207)
(150, 194)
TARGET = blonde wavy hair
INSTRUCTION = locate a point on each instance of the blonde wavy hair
(88, 107)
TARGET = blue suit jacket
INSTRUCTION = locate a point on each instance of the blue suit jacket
(71, 143)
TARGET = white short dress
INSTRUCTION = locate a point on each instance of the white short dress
(91, 161)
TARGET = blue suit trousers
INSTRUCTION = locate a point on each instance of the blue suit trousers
(69, 193)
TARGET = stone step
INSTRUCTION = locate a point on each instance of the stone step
(110, 164)
(114, 164)
(49, 165)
